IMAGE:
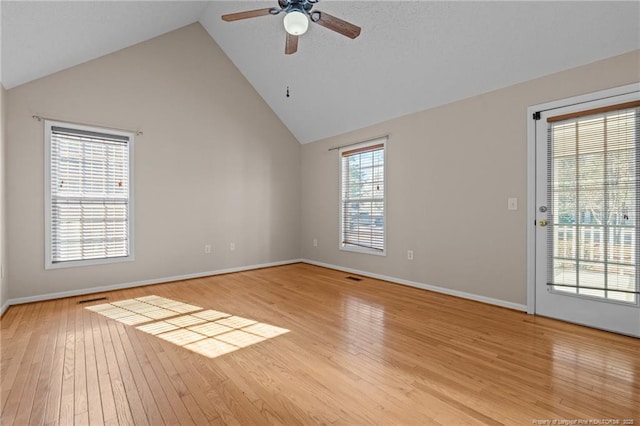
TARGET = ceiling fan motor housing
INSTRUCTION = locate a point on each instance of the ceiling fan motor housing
(303, 6)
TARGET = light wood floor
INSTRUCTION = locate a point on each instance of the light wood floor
(356, 353)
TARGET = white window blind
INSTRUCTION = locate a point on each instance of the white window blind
(363, 197)
(593, 181)
(89, 202)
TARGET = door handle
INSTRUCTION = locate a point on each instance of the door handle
(543, 222)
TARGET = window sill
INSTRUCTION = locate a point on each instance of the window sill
(362, 250)
(90, 262)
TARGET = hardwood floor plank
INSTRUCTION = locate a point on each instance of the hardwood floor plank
(196, 413)
(366, 352)
(94, 402)
(26, 404)
(165, 406)
(54, 394)
(81, 400)
(104, 391)
(44, 384)
(67, 398)
(12, 357)
(123, 410)
(81, 419)
(15, 393)
(134, 399)
(189, 383)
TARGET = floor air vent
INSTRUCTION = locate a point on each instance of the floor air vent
(354, 278)
(97, 299)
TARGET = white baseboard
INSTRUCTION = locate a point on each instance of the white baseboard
(92, 290)
(462, 294)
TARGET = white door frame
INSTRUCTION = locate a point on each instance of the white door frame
(531, 174)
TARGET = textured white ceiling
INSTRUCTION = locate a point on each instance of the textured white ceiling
(43, 37)
(411, 55)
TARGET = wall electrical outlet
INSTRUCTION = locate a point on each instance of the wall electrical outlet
(232, 246)
(315, 242)
(410, 254)
(207, 248)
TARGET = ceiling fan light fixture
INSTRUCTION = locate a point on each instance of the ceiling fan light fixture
(296, 23)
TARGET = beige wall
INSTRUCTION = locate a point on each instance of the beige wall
(214, 166)
(450, 171)
(4, 283)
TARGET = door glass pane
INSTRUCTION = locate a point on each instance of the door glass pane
(593, 205)
(592, 277)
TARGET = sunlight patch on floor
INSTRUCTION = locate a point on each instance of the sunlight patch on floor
(211, 347)
(210, 329)
(185, 321)
(204, 331)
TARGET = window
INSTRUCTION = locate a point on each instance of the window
(88, 195)
(362, 206)
(593, 191)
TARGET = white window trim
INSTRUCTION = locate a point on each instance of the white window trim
(356, 249)
(48, 264)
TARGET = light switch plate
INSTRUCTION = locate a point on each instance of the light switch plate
(512, 203)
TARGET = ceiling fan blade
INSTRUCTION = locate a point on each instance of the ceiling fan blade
(336, 24)
(246, 14)
(291, 45)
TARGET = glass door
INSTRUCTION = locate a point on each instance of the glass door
(587, 245)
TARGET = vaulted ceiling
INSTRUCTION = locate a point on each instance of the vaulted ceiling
(411, 55)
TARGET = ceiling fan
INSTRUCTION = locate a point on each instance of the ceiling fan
(296, 21)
